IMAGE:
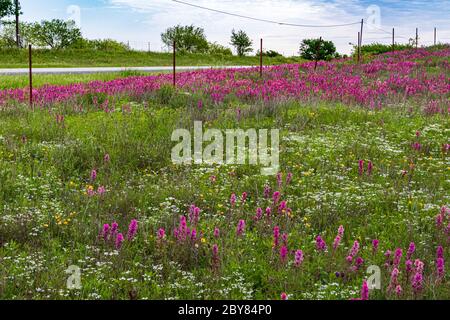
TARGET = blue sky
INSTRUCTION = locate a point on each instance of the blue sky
(142, 21)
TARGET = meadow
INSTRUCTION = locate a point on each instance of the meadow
(88, 181)
(71, 58)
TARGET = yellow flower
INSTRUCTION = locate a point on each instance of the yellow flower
(203, 240)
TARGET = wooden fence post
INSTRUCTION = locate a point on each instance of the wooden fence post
(30, 61)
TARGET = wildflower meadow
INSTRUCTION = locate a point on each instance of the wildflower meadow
(93, 207)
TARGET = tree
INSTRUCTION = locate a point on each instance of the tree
(9, 8)
(56, 34)
(317, 49)
(8, 37)
(188, 38)
(241, 41)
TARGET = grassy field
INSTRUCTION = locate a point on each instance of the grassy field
(14, 58)
(89, 189)
(50, 221)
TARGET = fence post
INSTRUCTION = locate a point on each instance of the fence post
(435, 38)
(261, 59)
(393, 39)
(30, 63)
(174, 63)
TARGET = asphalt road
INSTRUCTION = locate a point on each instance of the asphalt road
(24, 71)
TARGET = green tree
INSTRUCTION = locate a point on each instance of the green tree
(241, 41)
(188, 38)
(317, 49)
(8, 34)
(7, 8)
(56, 34)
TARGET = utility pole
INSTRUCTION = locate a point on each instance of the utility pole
(435, 38)
(393, 39)
(358, 48)
(417, 38)
(317, 53)
(17, 13)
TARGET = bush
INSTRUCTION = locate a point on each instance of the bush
(217, 49)
(100, 44)
(317, 49)
(378, 48)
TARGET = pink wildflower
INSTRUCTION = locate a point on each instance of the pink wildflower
(119, 241)
(240, 228)
(132, 229)
(298, 258)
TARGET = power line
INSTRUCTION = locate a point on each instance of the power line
(268, 21)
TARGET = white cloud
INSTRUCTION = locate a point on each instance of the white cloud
(165, 13)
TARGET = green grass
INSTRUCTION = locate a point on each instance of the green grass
(48, 222)
(14, 58)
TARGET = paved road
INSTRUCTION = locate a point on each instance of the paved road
(107, 70)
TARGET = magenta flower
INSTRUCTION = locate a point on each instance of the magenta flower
(440, 268)
(361, 167)
(106, 158)
(161, 234)
(279, 180)
(411, 249)
(119, 241)
(375, 244)
(394, 279)
(289, 178)
(276, 197)
(114, 228)
(409, 266)
(276, 236)
(320, 244)
(259, 214)
(284, 237)
(244, 196)
(398, 256)
(355, 249)
(282, 207)
(298, 258)
(105, 231)
(267, 192)
(417, 283)
(341, 231)
(132, 229)
(268, 212)
(364, 291)
(336, 242)
(283, 253)
(101, 190)
(233, 200)
(398, 290)
(200, 104)
(284, 296)
(216, 232)
(419, 266)
(93, 175)
(240, 228)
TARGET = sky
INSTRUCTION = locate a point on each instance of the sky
(141, 22)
